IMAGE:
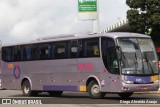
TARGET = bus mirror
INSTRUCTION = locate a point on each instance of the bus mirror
(119, 53)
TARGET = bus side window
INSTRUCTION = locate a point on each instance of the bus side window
(28, 52)
(59, 51)
(34, 52)
(7, 54)
(74, 48)
(81, 48)
(17, 53)
(23, 53)
(88, 48)
(92, 49)
(44, 51)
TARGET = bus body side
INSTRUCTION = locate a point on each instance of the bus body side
(64, 74)
(85, 72)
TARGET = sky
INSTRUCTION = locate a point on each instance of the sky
(25, 20)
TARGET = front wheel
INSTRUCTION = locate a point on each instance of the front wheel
(125, 95)
(94, 90)
(26, 89)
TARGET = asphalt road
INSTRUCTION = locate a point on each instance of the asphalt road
(79, 98)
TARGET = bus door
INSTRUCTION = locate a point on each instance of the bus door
(110, 61)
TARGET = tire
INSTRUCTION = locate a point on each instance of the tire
(125, 95)
(55, 93)
(26, 89)
(94, 90)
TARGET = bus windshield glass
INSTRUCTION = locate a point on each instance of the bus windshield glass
(138, 56)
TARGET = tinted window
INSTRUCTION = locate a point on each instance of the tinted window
(56, 50)
(92, 48)
(74, 48)
(7, 54)
(109, 55)
(17, 53)
(45, 51)
(27, 52)
(89, 47)
(59, 50)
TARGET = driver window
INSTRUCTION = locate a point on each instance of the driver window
(113, 62)
(109, 55)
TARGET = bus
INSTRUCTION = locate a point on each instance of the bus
(97, 63)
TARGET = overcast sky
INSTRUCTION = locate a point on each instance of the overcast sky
(29, 19)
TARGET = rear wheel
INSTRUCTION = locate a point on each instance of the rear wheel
(125, 95)
(55, 93)
(26, 89)
(94, 90)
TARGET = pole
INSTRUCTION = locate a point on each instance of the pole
(96, 24)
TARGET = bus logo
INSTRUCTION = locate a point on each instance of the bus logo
(16, 72)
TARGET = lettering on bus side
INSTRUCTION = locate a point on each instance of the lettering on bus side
(85, 67)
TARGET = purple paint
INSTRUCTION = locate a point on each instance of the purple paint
(60, 88)
(139, 79)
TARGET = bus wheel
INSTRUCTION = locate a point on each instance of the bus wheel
(26, 89)
(94, 90)
(55, 93)
(125, 95)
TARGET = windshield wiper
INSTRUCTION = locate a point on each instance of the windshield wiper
(136, 63)
(148, 63)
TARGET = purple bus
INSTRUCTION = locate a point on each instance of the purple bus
(119, 63)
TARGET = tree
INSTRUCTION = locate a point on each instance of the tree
(144, 17)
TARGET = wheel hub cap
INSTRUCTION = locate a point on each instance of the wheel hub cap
(95, 89)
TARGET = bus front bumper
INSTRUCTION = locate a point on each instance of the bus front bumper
(139, 87)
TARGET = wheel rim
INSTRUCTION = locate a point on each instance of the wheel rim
(95, 89)
(26, 89)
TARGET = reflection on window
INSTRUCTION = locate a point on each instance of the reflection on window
(59, 51)
(74, 48)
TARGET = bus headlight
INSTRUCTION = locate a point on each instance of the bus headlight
(128, 82)
(156, 81)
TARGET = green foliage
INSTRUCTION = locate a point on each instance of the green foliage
(144, 15)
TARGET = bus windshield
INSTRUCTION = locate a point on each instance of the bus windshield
(138, 56)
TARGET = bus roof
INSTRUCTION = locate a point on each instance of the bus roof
(64, 37)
